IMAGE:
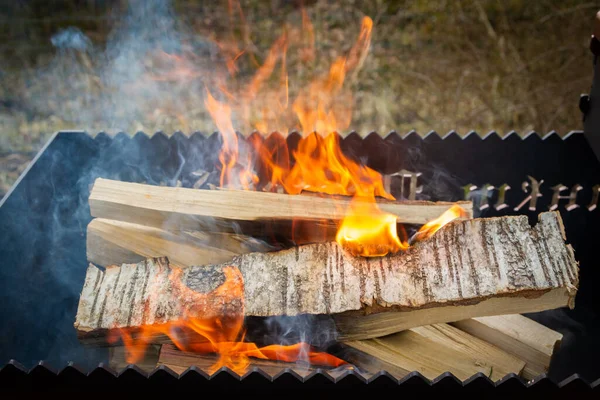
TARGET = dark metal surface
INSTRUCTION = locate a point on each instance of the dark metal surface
(590, 104)
(43, 220)
(102, 379)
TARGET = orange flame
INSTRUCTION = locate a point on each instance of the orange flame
(368, 232)
(320, 108)
(432, 227)
(214, 324)
(221, 113)
(319, 163)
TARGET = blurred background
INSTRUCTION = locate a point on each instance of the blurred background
(99, 65)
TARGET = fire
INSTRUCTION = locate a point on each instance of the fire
(368, 232)
(318, 165)
(432, 227)
(215, 324)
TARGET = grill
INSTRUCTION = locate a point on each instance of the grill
(44, 218)
(43, 222)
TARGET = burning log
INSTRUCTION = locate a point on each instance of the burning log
(117, 358)
(115, 242)
(435, 349)
(469, 268)
(518, 335)
(178, 361)
(196, 209)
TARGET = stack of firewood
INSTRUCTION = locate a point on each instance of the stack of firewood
(450, 303)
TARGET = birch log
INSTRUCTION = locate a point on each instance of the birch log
(469, 268)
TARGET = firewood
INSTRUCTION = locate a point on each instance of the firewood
(179, 361)
(194, 209)
(112, 242)
(370, 365)
(117, 359)
(469, 268)
(532, 342)
(435, 349)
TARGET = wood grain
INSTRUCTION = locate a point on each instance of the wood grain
(111, 242)
(532, 342)
(435, 349)
(176, 208)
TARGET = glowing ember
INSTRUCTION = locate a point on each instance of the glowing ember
(215, 325)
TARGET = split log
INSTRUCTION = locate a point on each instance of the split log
(117, 359)
(179, 361)
(469, 268)
(112, 242)
(370, 365)
(532, 342)
(435, 349)
(194, 209)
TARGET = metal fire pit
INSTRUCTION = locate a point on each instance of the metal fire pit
(43, 223)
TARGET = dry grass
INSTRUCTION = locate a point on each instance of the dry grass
(467, 65)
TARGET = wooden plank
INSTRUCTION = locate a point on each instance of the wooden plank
(532, 342)
(173, 208)
(469, 268)
(433, 350)
(112, 242)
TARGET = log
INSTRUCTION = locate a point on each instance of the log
(352, 327)
(369, 365)
(112, 242)
(174, 208)
(469, 268)
(179, 361)
(117, 359)
(435, 349)
(532, 342)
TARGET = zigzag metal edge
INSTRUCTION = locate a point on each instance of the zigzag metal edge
(390, 134)
(226, 374)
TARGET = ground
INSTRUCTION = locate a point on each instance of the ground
(483, 65)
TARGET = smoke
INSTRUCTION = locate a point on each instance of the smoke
(319, 331)
(151, 65)
(95, 87)
(71, 39)
(148, 74)
(152, 68)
